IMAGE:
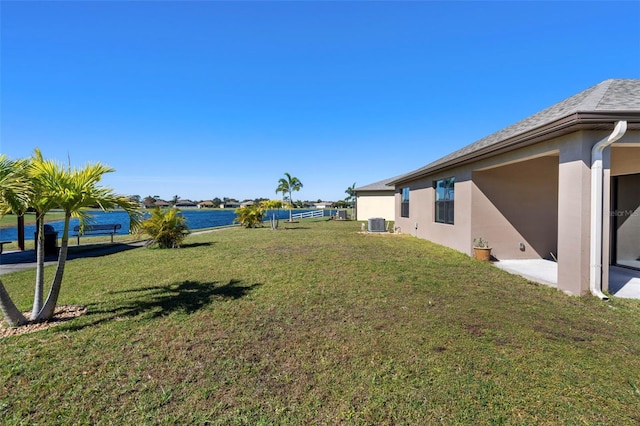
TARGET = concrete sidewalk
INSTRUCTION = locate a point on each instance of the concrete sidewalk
(13, 261)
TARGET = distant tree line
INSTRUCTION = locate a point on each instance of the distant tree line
(287, 186)
(155, 201)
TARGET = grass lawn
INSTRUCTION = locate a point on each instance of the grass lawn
(318, 325)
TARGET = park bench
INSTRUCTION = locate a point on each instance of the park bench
(2, 243)
(107, 229)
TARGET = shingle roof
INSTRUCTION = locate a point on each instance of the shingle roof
(610, 96)
(381, 185)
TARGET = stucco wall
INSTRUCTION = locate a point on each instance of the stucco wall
(539, 195)
(574, 217)
(421, 222)
(539, 179)
(625, 160)
(518, 204)
(375, 204)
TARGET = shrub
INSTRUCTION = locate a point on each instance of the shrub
(167, 228)
(250, 216)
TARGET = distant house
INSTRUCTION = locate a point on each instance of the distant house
(161, 203)
(323, 205)
(375, 200)
(186, 203)
(230, 204)
(206, 204)
(247, 203)
(561, 184)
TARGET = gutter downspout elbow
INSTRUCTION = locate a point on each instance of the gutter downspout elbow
(597, 197)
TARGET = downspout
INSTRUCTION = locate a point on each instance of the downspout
(597, 199)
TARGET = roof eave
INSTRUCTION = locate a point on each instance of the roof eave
(568, 124)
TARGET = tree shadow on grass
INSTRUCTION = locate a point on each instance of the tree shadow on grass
(194, 245)
(75, 252)
(158, 301)
(98, 250)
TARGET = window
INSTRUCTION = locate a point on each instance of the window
(404, 205)
(444, 200)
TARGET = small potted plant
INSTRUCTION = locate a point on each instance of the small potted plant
(481, 249)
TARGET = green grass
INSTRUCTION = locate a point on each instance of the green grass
(318, 324)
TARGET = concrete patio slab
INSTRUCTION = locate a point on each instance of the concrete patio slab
(536, 270)
(624, 283)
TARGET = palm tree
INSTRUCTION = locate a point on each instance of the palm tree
(34, 191)
(42, 200)
(351, 197)
(271, 205)
(351, 193)
(43, 184)
(14, 197)
(287, 186)
(74, 190)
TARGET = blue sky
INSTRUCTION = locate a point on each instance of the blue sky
(211, 99)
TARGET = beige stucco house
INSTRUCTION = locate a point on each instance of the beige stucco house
(375, 200)
(562, 184)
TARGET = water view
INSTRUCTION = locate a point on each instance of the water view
(196, 219)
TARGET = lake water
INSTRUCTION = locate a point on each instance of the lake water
(196, 219)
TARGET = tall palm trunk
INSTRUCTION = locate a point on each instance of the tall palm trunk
(52, 299)
(11, 314)
(39, 290)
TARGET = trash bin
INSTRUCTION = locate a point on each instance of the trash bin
(50, 240)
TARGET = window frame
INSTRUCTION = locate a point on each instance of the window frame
(404, 201)
(444, 206)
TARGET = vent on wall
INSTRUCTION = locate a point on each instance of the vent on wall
(376, 224)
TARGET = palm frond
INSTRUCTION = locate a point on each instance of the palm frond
(15, 190)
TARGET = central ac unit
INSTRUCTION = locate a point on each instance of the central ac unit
(376, 224)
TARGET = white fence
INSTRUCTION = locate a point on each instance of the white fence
(307, 215)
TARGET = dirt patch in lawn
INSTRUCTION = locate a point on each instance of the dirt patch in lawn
(62, 314)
